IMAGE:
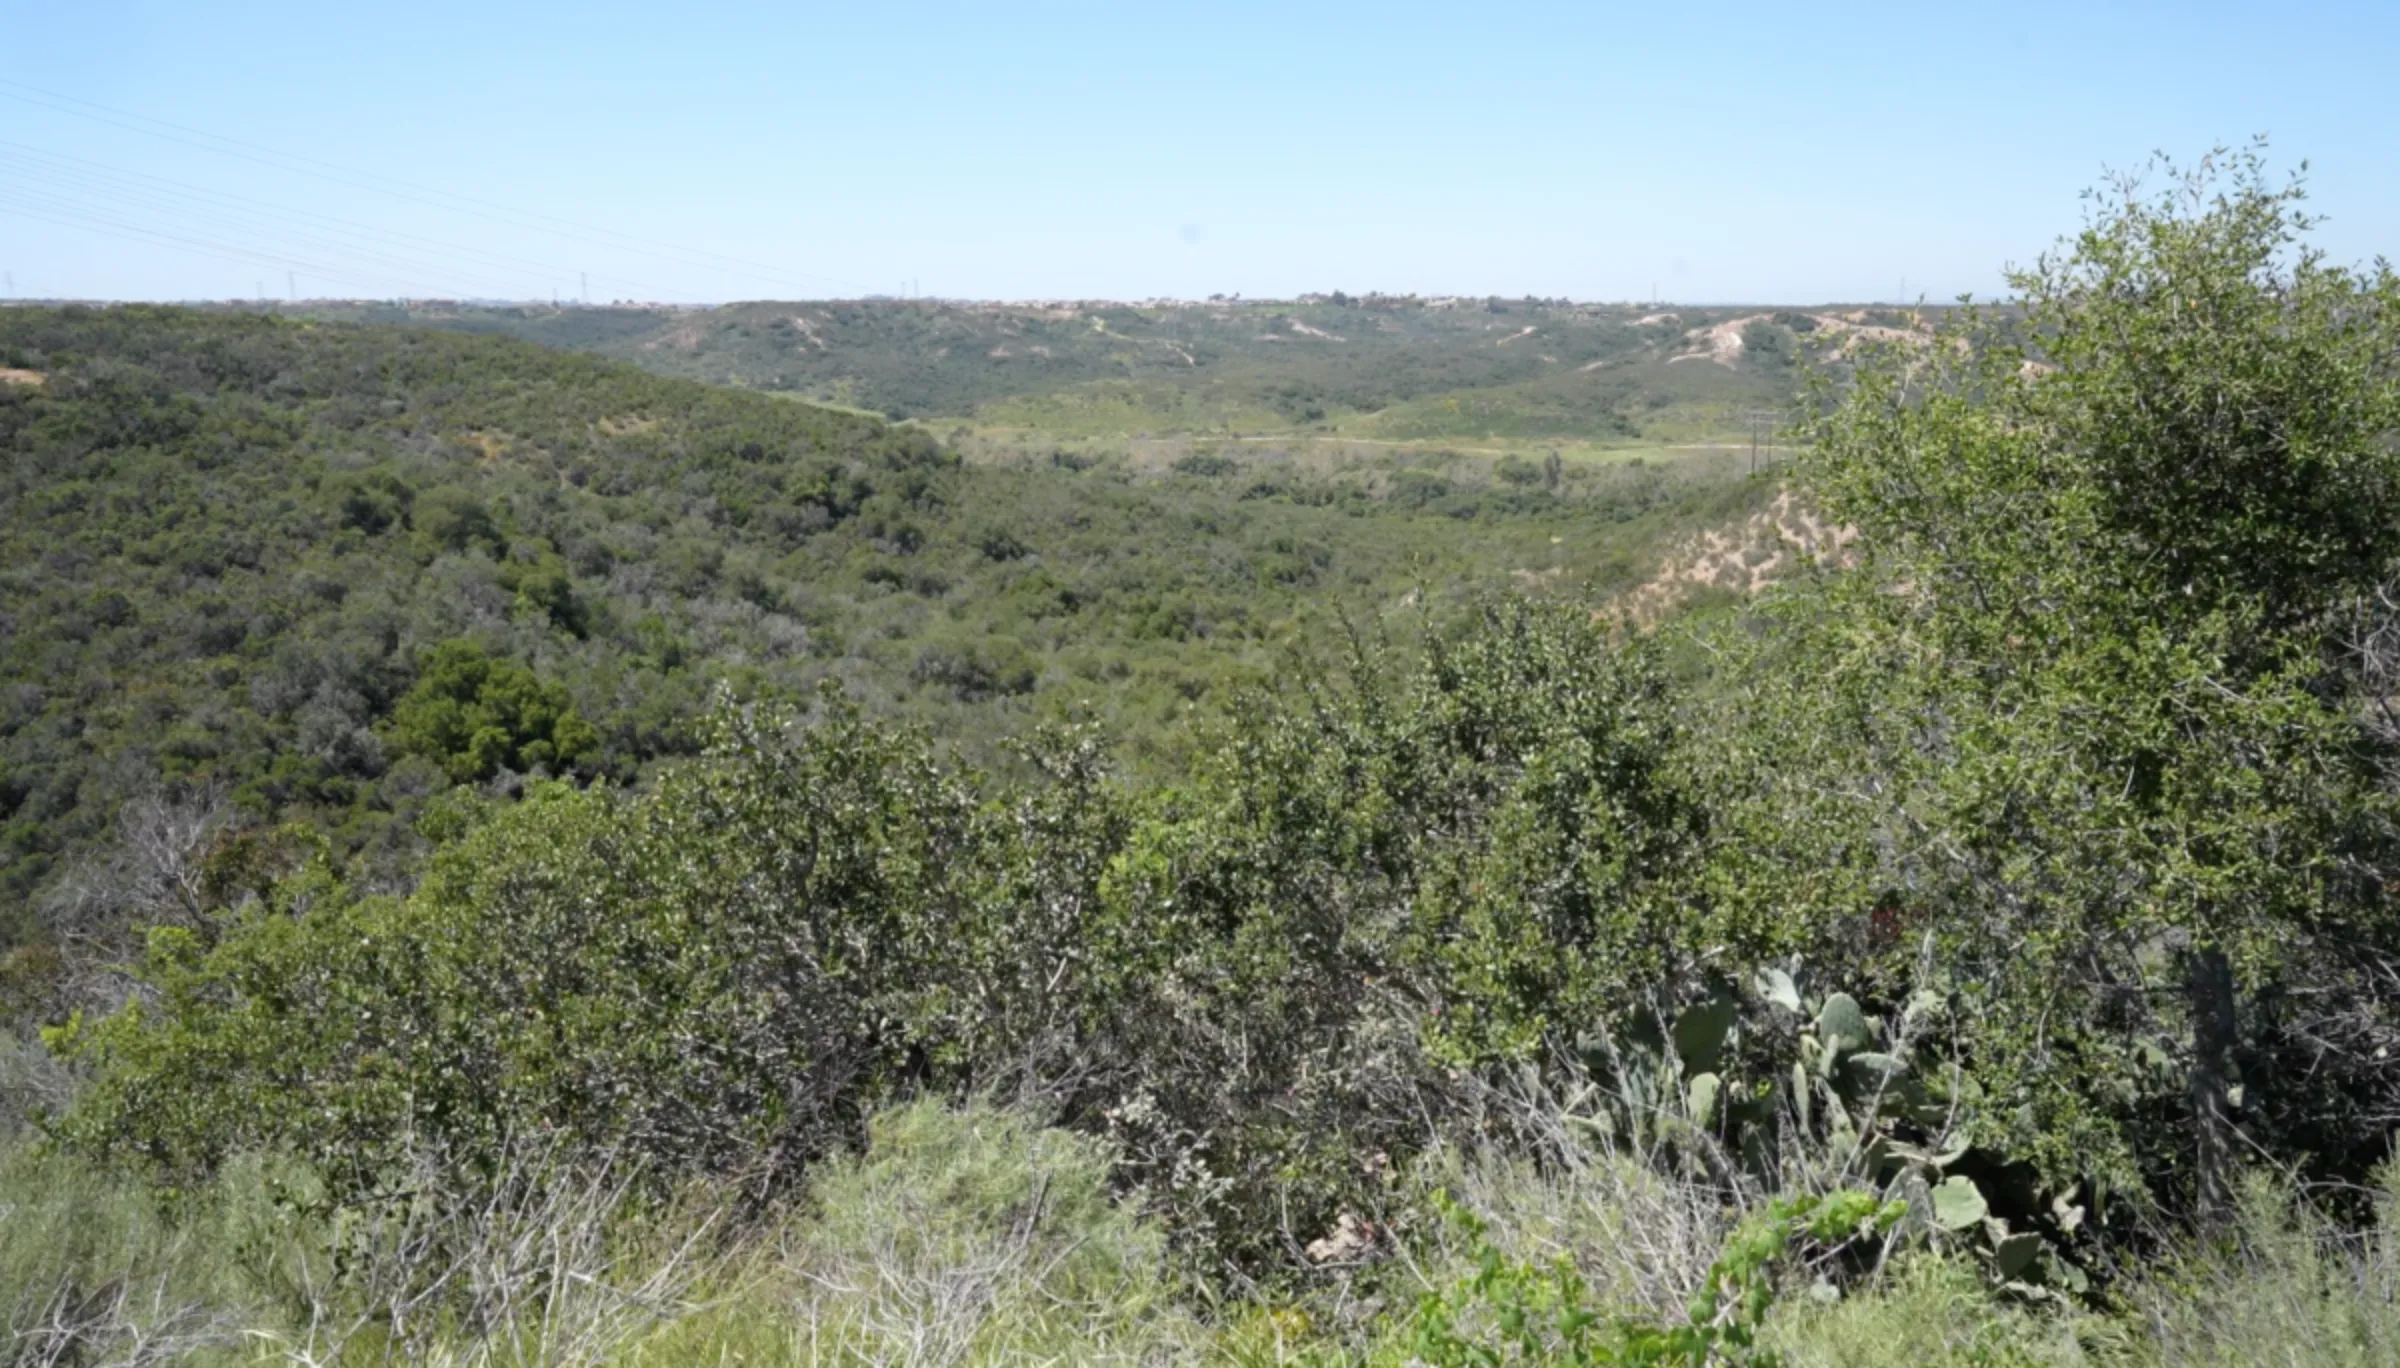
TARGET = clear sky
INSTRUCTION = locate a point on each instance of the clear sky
(708, 151)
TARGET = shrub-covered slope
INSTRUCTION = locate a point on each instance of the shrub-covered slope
(254, 570)
(2009, 908)
(1382, 366)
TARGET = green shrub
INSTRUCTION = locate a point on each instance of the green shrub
(727, 967)
(474, 716)
(2090, 730)
(450, 519)
(1509, 1312)
(1929, 1312)
(969, 1236)
(1242, 980)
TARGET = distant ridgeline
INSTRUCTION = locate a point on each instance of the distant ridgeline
(1963, 930)
(1376, 366)
(257, 571)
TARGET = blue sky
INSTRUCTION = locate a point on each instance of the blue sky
(1767, 153)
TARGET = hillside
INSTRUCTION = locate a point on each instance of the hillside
(233, 550)
(1376, 367)
(459, 934)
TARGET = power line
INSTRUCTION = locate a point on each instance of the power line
(278, 161)
(98, 178)
(133, 211)
(246, 236)
(208, 247)
(387, 185)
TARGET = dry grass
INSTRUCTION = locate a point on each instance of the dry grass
(961, 1237)
(975, 1236)
(2281, 1285)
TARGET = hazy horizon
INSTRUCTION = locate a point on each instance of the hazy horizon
(973, 301)
(1870, 153)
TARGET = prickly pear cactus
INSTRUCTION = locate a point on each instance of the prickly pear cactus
(1842, 1026)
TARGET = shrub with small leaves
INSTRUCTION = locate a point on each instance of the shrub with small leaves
(1520, 1313)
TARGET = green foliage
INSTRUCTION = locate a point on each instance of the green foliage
(970, 1229)
(1387, 367)
(1516, 1313)
(94, 1268)
(726, 967)
(232, 542)
(1935, 1313)
(1786, 1091)
(2029, 859)
(2089, 716)
(743, 959)
(449, 519)
(932, 1179)
(2280, 1283)
(1376, 880)
(982, 1235)
(474, 716)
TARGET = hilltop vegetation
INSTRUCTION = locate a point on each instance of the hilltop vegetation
(1374, 367)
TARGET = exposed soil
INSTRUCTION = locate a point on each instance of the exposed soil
(1721, 342)
(1745, 559)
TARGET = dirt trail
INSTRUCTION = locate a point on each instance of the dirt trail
(1324, 438)
(30, 379)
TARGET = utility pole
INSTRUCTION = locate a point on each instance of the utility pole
(1764, 424)
(586, 278)
(291, 285)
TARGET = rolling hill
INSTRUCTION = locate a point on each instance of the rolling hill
(1398, 369)
(295, 571)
